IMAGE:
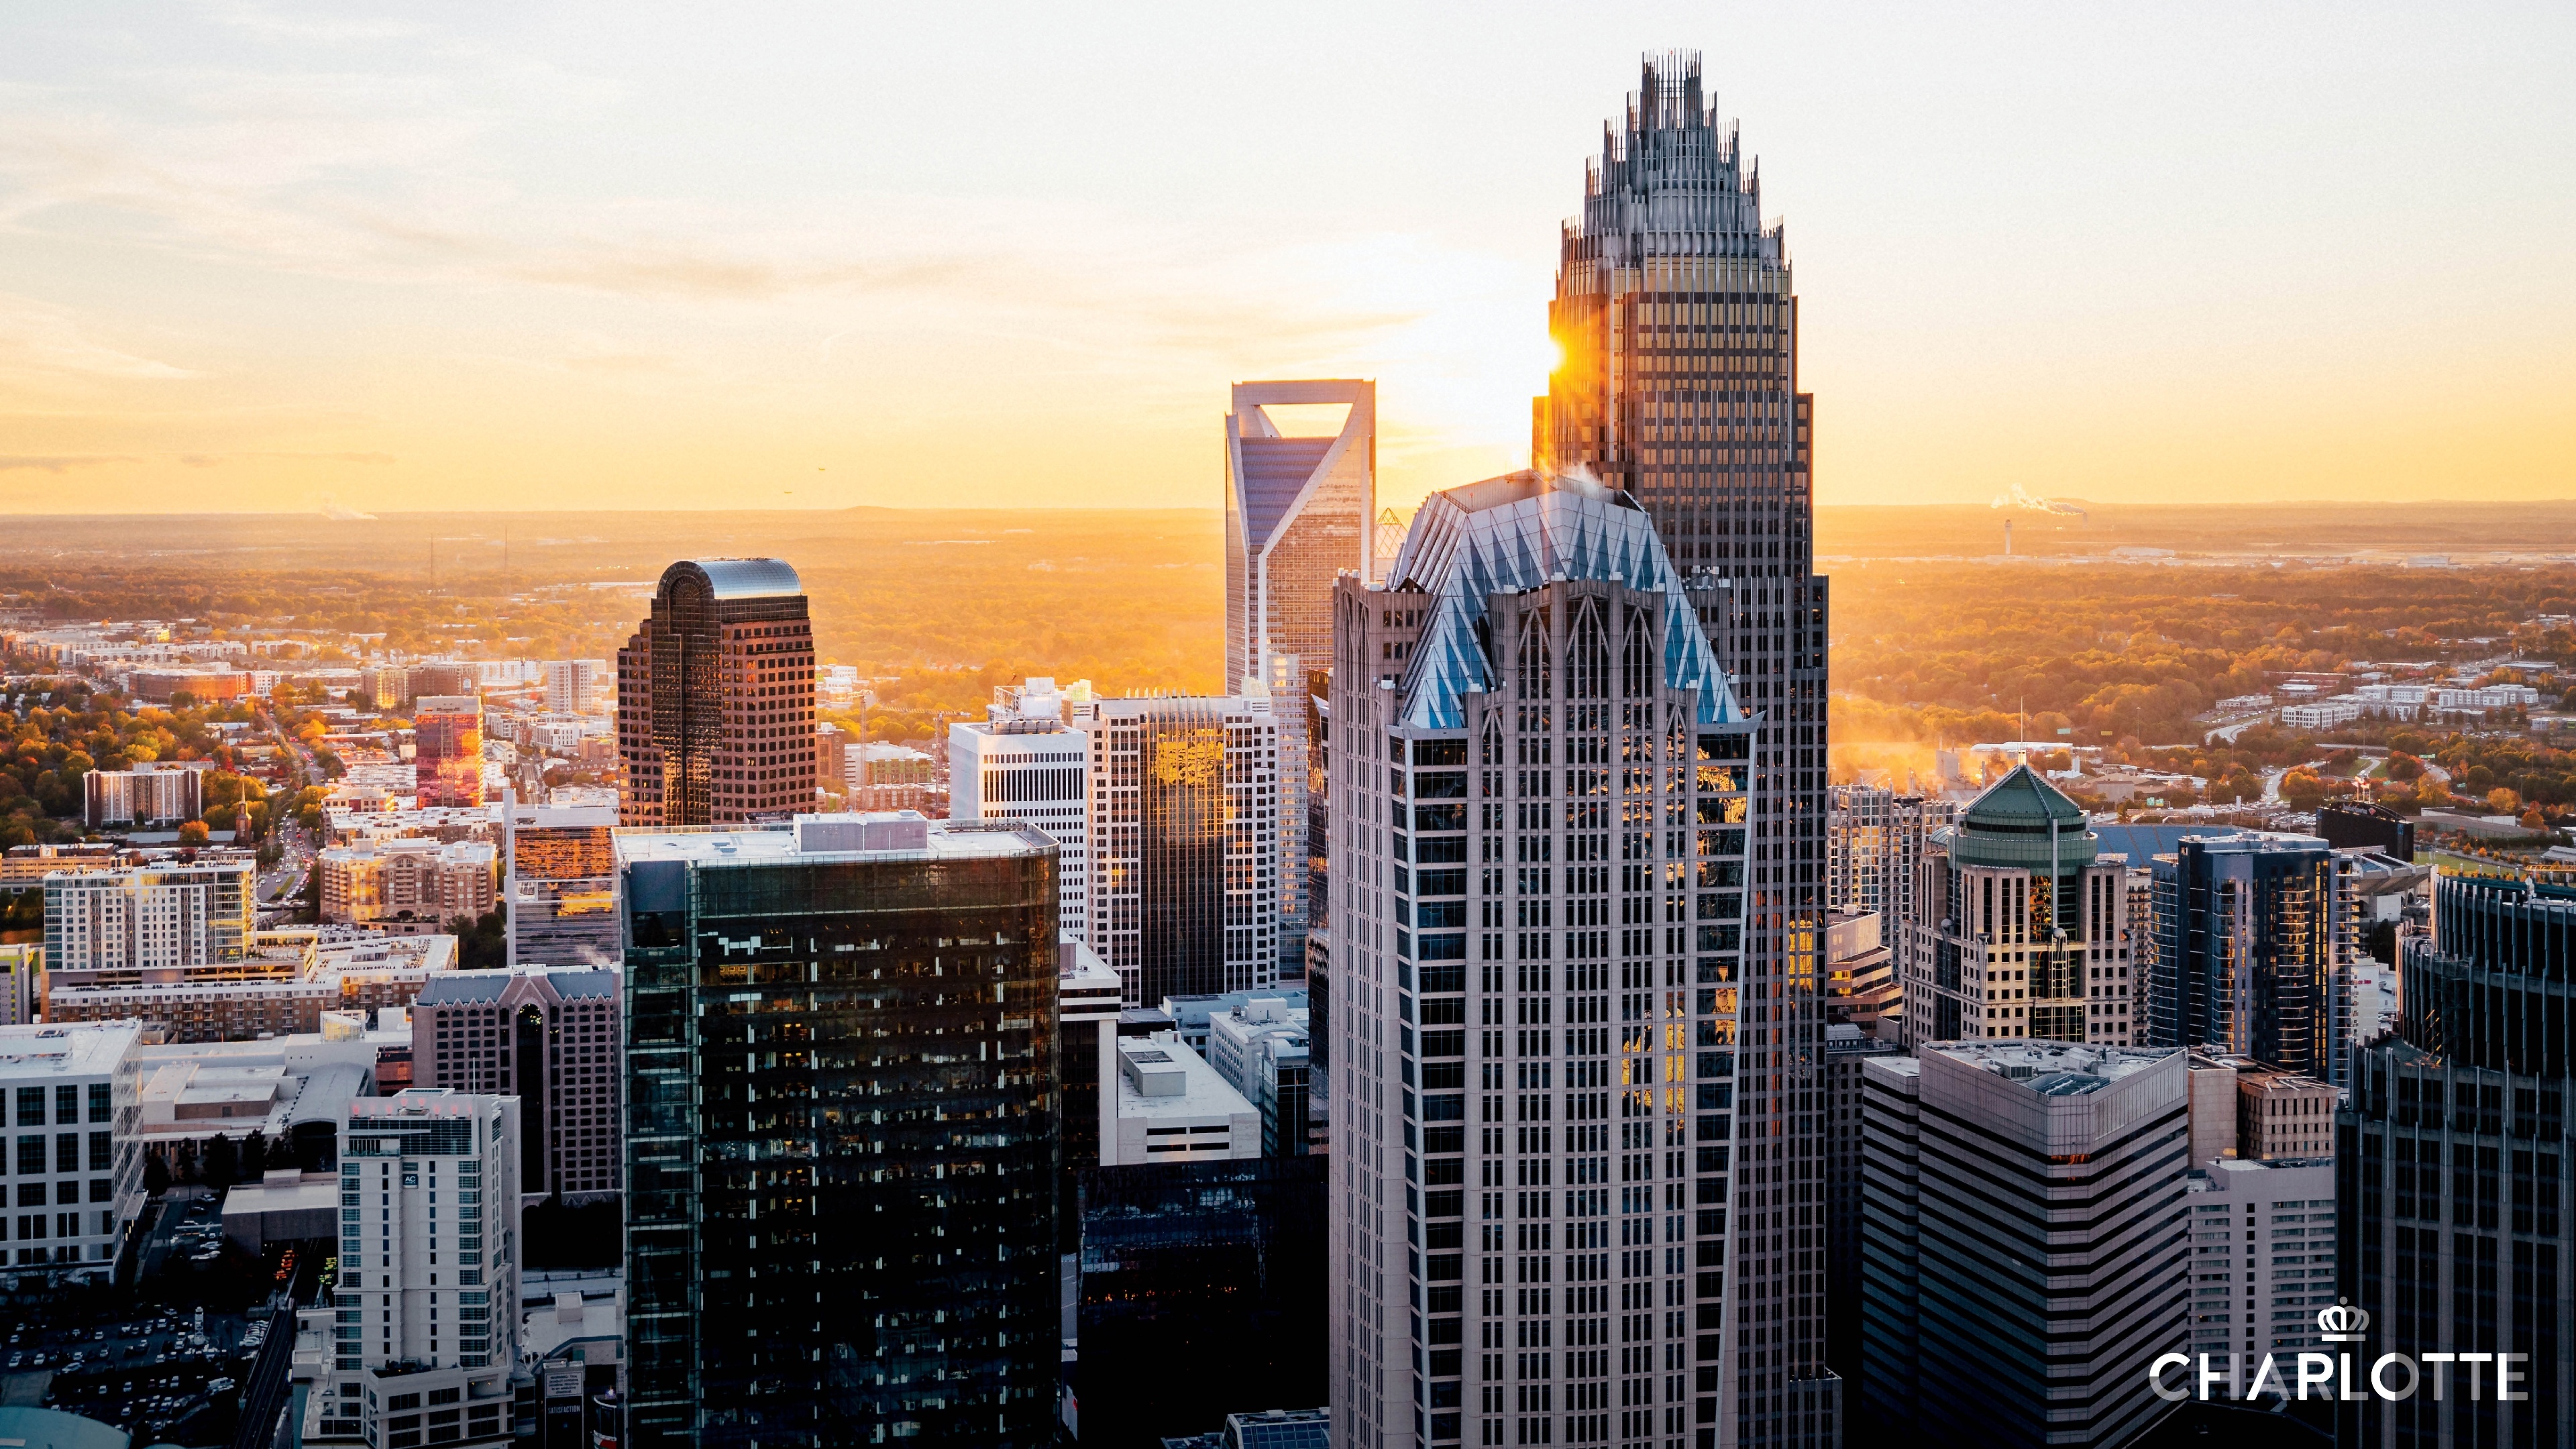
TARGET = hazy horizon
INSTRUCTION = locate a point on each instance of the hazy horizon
(384, 259)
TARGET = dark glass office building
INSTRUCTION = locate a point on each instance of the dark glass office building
(2454, 1180)
(2245, 952)
(842, 1133)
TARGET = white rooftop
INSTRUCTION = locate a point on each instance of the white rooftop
(43, 1050)
(1159, 1076)
(881, 835)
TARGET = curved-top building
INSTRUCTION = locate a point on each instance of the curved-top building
(715, 698)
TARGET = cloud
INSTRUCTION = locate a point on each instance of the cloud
(59, 463)
(217, 460)
(41, 337)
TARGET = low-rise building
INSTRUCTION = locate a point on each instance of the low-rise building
(416, 882)
(1173, 1107)
(282, 986)
(1261, 1048)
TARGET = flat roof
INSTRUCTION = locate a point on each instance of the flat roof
(944, 840)
(47, 1049)
(1205, 1093)
(2040, 1062)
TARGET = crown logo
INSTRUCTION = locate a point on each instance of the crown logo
(2342, 1323)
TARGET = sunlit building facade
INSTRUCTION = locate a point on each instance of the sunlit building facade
(2245, 951)
(1023, 762)
(1186, 815)
(1677, 325)
(715, 698)
(447, 737)
(1546, 1114)
(1298, 512)
(2022, 931)
(559, 884)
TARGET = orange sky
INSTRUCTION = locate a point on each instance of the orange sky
(254, 258)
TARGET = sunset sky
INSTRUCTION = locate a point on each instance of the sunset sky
(490, 256)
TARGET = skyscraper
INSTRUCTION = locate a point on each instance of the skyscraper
(842, 1133)
(1184, 856)
(1297, 512)
(1677, 324)
(2024, 1250)
(577, 686)
(2021, 932)
(1547, 1229)
(447, 748)
(715, 698)
(2246, 951)
(1298, 509)
(2458, 1212)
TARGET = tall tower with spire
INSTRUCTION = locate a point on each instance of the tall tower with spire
(1678, 383)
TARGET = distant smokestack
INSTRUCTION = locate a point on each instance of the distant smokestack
(2008, 538)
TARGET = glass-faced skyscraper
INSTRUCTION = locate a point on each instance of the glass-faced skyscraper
(2244, 951)
(1561, 1214)
(2457, 1179)
(1298, 511)
(842, 1142)
(715, 698)
(1679, 384)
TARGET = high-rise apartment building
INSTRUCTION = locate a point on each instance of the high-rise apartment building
(842, 1134)
(69, 1110)
(1677, 324)
(1023, 762)
(715, 698)
(2022, 926)
(447, 748)
(1860, 838)
(147, 795)
(2454, 1173)
(547, 1037)
(426, 1307)
(559, 884)
(2023, 1216)
(1297, 514)
(580, 686)
(150, 922)
(1184, 857)
(1542, 798)
(2245, 953)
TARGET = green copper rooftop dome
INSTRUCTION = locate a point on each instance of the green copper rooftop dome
(2011, 827)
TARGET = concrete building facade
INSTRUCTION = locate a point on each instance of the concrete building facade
(1543, 789)
(549, 1037)
(1023, 762)
(2024, 1210)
